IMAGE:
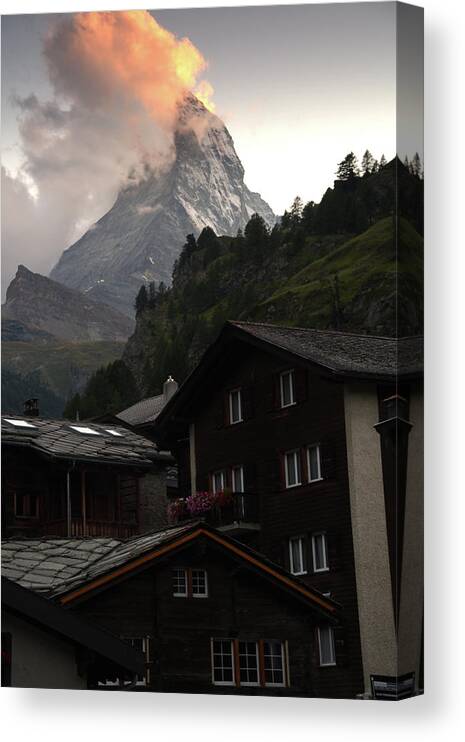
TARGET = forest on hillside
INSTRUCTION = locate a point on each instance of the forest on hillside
(353, 262)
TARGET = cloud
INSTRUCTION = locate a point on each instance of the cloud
(117, 80)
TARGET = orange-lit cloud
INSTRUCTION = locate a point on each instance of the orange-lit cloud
(124, 58)
(204, 92)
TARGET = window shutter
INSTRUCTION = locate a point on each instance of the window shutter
(300, 380)
(327, 461)
(250, 477)
(276, 391)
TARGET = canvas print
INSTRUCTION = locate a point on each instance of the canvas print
(212, 258)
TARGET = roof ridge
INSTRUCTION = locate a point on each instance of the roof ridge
(239, 323)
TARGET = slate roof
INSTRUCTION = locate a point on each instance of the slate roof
(55, 567)
(52, 565)
(144, 411)
(45, 565)
(342, 352)
(58, 439)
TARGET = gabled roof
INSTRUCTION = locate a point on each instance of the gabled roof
(49, 616)
(59, 439)
(341, 355)
(144, 411)
(121, 559)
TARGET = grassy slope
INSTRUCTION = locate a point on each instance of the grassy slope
(366, 267)
(64, 367)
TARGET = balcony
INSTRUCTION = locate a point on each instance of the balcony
(233, 512)
(92, 528)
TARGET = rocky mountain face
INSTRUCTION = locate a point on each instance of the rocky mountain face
(141, 236)
(39, 309)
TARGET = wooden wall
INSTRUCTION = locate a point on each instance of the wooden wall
(240, 605)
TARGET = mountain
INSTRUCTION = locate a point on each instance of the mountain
(362, 273)
(141, 236)
(39, 309)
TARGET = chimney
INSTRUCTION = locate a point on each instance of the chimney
(31, 408)
(169, 388)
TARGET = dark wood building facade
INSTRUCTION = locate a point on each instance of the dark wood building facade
(77, 479)
(277, 418)
(213, 616)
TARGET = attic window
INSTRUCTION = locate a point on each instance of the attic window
(84, 430)
(116, 433)
(19, 423)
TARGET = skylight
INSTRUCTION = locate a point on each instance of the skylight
(84, 430)
(114, 432)
(19, 423)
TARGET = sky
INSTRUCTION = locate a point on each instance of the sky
(297, 86)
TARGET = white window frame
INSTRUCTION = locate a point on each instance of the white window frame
(249, 684)
(296, 453)
(199, 595)
(284, 662)
(237, 391)
(332, 645)
(303, 571)
(233, 669)
(222, 472)
(318, 456)
(234, 469)
(291, 374)
(186, 582)
(321, 534)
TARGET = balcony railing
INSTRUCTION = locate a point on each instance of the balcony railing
(95, 528)
(234, 511)
(243, 508)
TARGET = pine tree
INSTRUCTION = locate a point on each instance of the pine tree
(367, 163)
(382, 162)
(415, 166)
(348, 168)
(141, 302)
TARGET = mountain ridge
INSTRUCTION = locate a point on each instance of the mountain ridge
(138, 240)
(44, 309)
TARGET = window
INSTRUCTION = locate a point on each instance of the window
(292, 468)
(326, 646)
(218, 481)
(296, 556)
(142, 643)
(244, 662)
(190, 583)
(222, 662)
(248, 663)
(314, 463)
(26, 505)
(180, 583)
(84, 430)
(235, 406)
(287, 388)
(320, 552)
(237, 480)
(273, 660)
(19, 423)
(199, 583)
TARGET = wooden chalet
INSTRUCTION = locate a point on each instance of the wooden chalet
(210, 614)
(309, 444)
(73, 479)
